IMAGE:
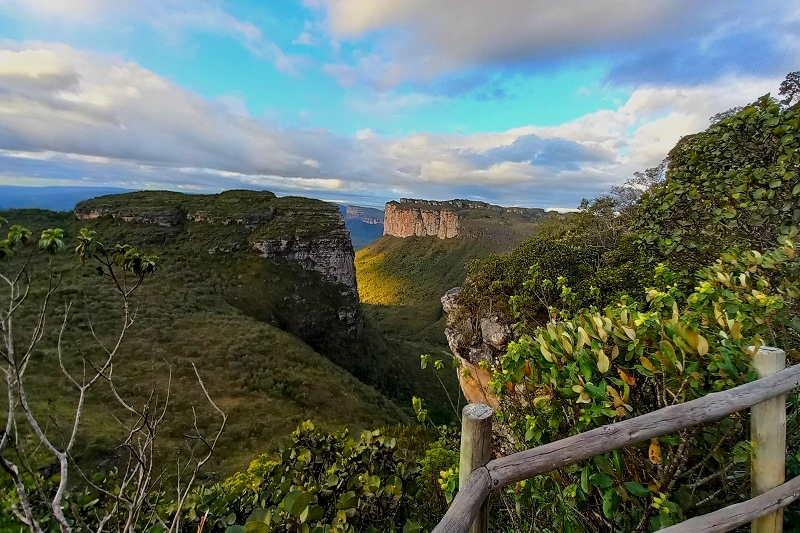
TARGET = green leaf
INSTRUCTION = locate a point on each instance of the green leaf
(236, 529)
(256, 527)
(348, 500)
(610, 503)
(672, 440)
(637, 489)
(601, 481)
(259, 515)
(297, 501)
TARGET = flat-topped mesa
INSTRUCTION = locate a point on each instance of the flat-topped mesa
(452, 218)
(405, 221)
(301, 230)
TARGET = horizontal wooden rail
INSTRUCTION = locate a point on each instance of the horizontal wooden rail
(529, 463)
(740, 513)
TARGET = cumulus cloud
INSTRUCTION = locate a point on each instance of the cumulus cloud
(172, 18)
(657, 41)
(68, 116)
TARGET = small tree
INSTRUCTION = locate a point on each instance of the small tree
(128, 503)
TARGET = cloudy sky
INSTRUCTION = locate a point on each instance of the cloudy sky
(517, 102)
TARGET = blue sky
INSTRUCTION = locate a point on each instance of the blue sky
(518, 102)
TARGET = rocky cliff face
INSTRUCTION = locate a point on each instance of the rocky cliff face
(457, 218)
(420, 220)
(474, 340)
(331, 255)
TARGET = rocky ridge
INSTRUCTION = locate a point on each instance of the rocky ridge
(308, 232)
(366, 215)
(455, 218)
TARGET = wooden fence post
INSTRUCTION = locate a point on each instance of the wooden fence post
(476, 450)
(768, 432)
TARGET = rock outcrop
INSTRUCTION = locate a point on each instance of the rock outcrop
(453, 218)
(165, 217)
(474, 340)
(402, 221)
(331, 255)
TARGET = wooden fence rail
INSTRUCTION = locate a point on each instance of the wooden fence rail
(504, 471)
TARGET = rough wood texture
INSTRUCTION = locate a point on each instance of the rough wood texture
(768, 432)
(476, 450)
(467, 504)
(555, 455)
(741, 513)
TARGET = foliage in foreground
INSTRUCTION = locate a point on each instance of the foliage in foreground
(630, 306)
(600, 367)
(322, 482)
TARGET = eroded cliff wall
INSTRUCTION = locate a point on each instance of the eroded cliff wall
(331, 255)
(404, 221)
(457, 218)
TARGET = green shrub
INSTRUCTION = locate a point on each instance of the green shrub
(322, 482)
(439, 457)
(599, 367)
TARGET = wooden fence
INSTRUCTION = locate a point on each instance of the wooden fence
(767, 397)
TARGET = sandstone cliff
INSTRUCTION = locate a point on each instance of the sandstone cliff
(457, 218)
(331, 255)
(401, 221)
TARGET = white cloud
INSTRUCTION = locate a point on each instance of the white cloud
(304, 38)
(73, 116)
(655, 40)
(172, 18)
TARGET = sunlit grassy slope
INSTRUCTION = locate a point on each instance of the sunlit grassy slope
(400, 283)
(223, 311)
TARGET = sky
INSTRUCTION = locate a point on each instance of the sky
(516, 102)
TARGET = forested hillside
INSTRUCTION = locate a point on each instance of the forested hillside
(261, 331)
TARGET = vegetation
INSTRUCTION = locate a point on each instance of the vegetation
(400, 283)
(202, 307)
(650, 296)
(647, 297)
(323, 482)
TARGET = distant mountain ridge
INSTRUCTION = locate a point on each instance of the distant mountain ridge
(364, 223)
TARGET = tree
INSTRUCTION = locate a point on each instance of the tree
(27, 442)
(735, 184)
(790, 89)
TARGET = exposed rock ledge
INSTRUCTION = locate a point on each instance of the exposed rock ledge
(420, 222)
(332, 256)
(473, 340)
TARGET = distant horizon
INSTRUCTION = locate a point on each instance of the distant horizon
(118, 190)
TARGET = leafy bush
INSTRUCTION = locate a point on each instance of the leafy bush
(599, 367)
(737, 183)
(321, 483)
(440, 457)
